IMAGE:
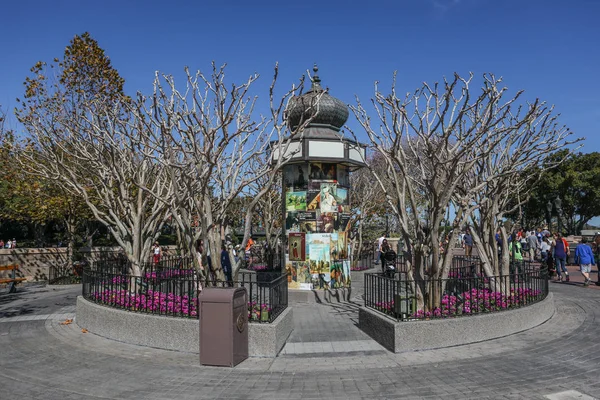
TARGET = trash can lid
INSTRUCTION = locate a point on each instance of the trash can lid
(220, 295)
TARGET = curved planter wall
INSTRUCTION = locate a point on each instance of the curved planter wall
(181, 334)
(424, 335)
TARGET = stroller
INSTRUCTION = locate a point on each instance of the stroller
(388, 263)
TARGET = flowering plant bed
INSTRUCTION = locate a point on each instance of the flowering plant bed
(155, 302)
(475, 301)
(173, 290)
(258, 312)
(151, 302)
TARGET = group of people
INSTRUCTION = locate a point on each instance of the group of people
(9, 244)
(551, 249)
(204, 258)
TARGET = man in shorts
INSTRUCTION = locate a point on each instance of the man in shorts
(585, 258)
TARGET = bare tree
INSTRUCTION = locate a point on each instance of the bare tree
(432, 141)
(213, 147)
(268, 211)
(531, 142)
(367, 204)
(97, 154)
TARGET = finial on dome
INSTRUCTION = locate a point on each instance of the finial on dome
(316, 81)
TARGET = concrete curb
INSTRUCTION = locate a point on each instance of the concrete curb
(407, 336)
(170, 333)
(267, 340)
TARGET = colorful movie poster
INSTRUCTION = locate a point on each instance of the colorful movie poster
(319, 246)
(308, 227)
(313, 196)
(317, 225)
(341, 195)
(340, 248)
(295, 201)
(297, 246)
(345, 223)
(303, 275)
(295, 177)
(292, 221)
(328, 222)
(328, 201)
(343, 176)
(323, 171)
(307, 216)
(346, 272)
(335, 275)
(333, 244)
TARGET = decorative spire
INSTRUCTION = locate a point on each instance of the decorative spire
(316, 81)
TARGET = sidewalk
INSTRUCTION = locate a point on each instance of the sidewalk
(576, 279)
(327, 357)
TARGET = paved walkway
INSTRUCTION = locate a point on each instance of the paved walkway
(327, 357)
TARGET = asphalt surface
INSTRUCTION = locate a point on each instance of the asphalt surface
(327, 356)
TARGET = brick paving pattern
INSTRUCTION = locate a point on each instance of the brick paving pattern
(327, 356)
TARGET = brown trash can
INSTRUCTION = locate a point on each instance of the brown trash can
(223, 326)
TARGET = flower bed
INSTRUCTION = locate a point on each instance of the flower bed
(150, 302)
(258, 312)
(162, 303)
(471, 302)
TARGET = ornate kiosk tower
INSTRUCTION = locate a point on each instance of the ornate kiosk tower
(316, 191)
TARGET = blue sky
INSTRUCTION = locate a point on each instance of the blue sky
(548, 48)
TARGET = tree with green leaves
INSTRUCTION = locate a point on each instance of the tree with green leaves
(576, 181)
(79, 135)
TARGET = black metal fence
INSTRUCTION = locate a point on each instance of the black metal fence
(466, 291)
(363, 261)
(259, 258)
(71, 273)
(170, 288)
(64, 274)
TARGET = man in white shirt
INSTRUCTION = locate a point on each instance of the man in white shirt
(379, 243)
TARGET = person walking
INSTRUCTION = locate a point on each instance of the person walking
(379, 244)
(468, 243)
(561, 252)
(585, 258)
(515, 250)
(385, 247)
(544, 250)
(156, 253)
(532, 242)
(226, 265)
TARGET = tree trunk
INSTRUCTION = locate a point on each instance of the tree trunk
(71, 225)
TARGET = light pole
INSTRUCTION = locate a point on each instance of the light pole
(558, 208)
(549, 215)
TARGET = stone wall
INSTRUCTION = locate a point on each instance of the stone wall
(180, 334)
(402, 336)
(35, 263)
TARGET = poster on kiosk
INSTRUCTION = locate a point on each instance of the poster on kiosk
(317, 214)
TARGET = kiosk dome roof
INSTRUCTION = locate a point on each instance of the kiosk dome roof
(324, 109)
